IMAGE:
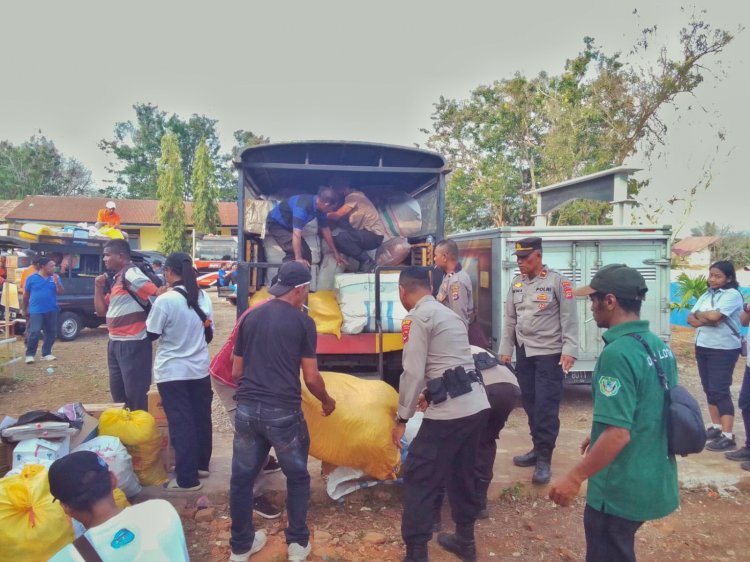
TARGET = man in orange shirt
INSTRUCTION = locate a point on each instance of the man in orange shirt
(108, 216)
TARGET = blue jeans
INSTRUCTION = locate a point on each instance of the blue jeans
(257, 428)
(46, 321)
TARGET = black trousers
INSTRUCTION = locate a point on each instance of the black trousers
(351, 242)
(283, 238)
(609, 538)
(541, 380)
(443, 451)
(715, 369)
(129, 365)
(188, 408)
(503, 397)
(744, 404)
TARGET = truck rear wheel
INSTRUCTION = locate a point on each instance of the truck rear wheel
(69, 326)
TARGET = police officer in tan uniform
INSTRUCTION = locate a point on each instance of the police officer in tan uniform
(439, 366)
(542, 325)
(455, 291)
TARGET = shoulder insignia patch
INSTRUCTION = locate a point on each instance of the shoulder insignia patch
(455, 292)
(609, 386)
(543, 274)
(405, 329)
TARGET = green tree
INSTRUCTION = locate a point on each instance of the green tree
(205, 194)
(36, 167)
(522, 133)
(136, 149)
(171, 192)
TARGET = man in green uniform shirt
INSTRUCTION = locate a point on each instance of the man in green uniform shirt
(632, 477)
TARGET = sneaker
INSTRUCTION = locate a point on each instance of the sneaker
(29, 359)
(49, 357)
(713, 432)
(265, 508)
(723, 443)
(745, 466)
(298, 553)
(258, 543)
(742, 454)
(173, 486)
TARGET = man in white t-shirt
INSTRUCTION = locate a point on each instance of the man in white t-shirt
(147, 532)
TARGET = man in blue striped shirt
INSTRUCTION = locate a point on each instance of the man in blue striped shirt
(287, 220)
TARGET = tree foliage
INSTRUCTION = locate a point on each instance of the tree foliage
(521, 133)
(205, 194)
(171, 192)
(36, 167)
(136, 149)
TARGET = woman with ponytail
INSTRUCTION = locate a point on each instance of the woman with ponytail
(181, 319)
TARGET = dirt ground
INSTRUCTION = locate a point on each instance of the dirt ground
(524, 525)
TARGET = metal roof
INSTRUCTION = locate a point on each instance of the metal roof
(295, 167)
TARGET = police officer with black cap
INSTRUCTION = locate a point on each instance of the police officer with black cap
(541, 325)
(439, 367)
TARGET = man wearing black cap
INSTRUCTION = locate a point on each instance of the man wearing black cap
(145, 532)
(632, 477)
(542, 325)
(273, 342)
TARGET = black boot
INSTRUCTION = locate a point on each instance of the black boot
(416, 553)
(528, 459)
(482, 487)
(461, 544)
(543, 470)
(366, 265)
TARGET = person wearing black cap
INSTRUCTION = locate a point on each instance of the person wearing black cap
(274, 341)
(541, 324)
(181, 319)
(147, 532)
(631, 476)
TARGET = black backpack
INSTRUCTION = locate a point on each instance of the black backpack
(686, 433)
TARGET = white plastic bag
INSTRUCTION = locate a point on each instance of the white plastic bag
(114, 453)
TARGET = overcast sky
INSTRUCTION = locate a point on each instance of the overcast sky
(347, 70)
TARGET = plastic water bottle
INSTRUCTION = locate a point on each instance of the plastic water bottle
(50, 370)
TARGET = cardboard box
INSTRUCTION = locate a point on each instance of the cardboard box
(167, 451)
(96, 409)
(155, 408)
(89, 430)
(40, 451)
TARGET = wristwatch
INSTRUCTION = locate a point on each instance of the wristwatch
(399, 419)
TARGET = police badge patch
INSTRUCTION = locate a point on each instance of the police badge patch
(405, 329)
(609, 386)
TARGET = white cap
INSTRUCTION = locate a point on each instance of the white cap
(111, 205)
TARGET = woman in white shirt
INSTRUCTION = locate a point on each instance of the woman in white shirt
(181, 319)
(716, 316)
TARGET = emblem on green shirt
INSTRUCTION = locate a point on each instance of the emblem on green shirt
(609, 386)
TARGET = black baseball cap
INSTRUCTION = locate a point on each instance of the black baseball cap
(527, 245)
(75, 477)
(617, 279)
(291, 275)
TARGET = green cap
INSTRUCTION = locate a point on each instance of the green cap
(617, 279)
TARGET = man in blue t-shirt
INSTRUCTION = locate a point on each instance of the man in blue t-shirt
(286, 221)
(40, 308)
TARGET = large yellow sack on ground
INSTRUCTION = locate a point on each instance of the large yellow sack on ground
(138, 432)
(32, 527)
(358, 433)
(325, 311)
(259, 296)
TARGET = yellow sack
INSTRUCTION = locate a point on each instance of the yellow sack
(258, 297)
(325, 311)
(358, 433)
(120, 498)
(32, 527)
(138, 432)
(110, 232)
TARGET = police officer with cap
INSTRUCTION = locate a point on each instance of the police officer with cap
(439, 367)
(541, 325)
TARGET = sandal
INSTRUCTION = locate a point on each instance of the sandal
(172, 486)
